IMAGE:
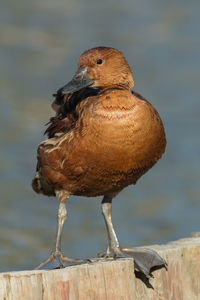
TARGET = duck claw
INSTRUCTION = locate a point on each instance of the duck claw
(58, 261)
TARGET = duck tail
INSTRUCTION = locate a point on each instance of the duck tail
(41, 186)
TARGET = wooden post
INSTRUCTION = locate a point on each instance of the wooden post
(112, 279)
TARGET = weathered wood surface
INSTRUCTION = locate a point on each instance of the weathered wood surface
(112, 280)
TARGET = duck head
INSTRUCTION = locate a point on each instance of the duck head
(100, 67)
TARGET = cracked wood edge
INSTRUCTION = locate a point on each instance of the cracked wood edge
(112, 279)
(100, 280)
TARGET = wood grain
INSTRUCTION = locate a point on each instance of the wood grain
(112, 279)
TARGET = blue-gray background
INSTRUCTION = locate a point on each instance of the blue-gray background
(40, 45)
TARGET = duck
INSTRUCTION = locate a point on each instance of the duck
(104, 137)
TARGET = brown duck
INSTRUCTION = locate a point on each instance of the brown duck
(103, 138)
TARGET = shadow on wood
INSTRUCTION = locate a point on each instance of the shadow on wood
(112, 279)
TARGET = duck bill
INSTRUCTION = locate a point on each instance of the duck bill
(79, 81)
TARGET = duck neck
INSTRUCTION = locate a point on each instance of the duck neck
(113, 87)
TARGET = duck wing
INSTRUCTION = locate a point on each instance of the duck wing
(66, 114)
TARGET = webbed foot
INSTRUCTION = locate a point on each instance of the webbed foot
(145, 259)
(58, 261)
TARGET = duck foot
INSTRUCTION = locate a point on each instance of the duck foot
(145, 260)
(58, 261)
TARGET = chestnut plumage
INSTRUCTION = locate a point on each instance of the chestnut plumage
(103, 138)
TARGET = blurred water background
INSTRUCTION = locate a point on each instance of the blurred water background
(40, 45)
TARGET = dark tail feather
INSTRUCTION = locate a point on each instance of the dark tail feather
(40, 185)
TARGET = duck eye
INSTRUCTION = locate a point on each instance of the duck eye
(99, 61)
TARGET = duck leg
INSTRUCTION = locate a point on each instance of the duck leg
(57, 259)
(144, 259)
(113, 244)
